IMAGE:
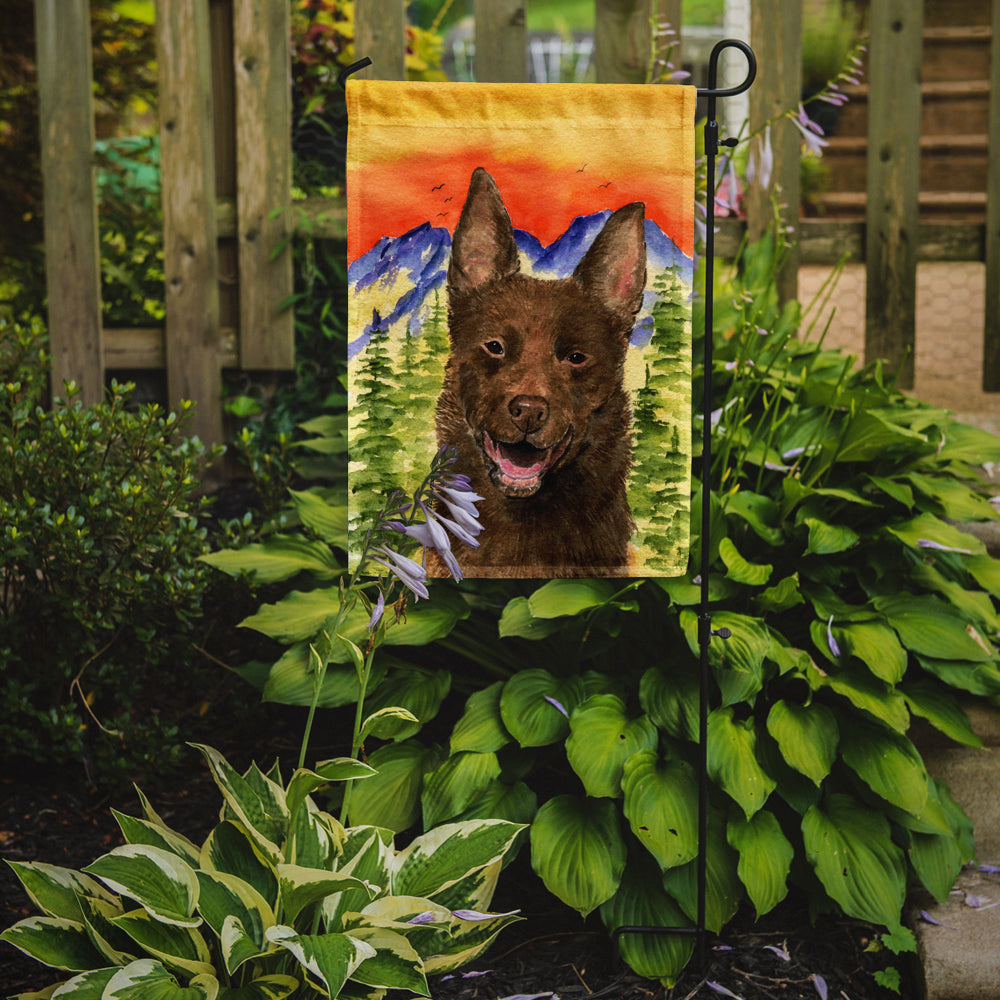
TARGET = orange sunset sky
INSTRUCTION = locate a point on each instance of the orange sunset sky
(561, 151)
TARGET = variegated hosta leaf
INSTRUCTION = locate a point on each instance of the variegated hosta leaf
(642, 902)
(602, 737)
(225, 897)
(177, 947)
(328, 959)
(256, 801)
(315, 838)
(300, 887)
(535, 706)
(304, 782)
(54, 941)
(888, 763)
(158, 880)
(732, 760)
(441, 857)
(765, 858)
(147, 979)
(141, 831)
(661, 800)
(481, 727)
(56, 891)
(395, 964)
(476, 890)
(578, 851)
(86, 986)
(367, 853)
(466, 941)
(230, 849)
(456, 784)
(850, 847)
(807, 736)
(116, 947)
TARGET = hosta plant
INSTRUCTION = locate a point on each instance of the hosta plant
(279, 900)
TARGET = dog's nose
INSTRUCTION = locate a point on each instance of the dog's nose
(529, 413)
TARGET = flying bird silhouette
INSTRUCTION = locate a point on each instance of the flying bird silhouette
(438, 188)
(607, 184)
(581, 170)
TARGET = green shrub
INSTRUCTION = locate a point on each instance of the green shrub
(99, 541)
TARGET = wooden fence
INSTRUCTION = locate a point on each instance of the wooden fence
(226, 161)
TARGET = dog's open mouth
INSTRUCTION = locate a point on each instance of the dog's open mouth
(518, 468)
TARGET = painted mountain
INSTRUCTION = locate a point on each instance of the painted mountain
(394, 283)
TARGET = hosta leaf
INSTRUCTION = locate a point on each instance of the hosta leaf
(274, 987)
(366, 855)
(936, 704)
(86, 986)
(304, 782)
(739, 569)
(723, 889)
(783, 595)
(976, 678)
(738, 661)
(931, 628)
(828, 539)
(876, 646)
(986, 571)
(142, 831)
(530, 706)
(391, 798)
(516, 803)
(330, 959)
(147, 979)
(415, 689)
(641, 901)
(661, 799)
(732, 760)
(280, 557)
(870, 435)
(54, 941)
(441, 857)
(765, 858)
(230, 849)
(888, 763)
(517, 620)
(928, 528)
(578, 851)
(390, 723)
(301, 887)
(327, 520)
(291, 680)
(671, 700)
(965, 443)
(957, 501)
(466, 941)
(850, 848)
(456, 784)
(937, 859)
(56, 891)
(866, 692)
(481, 728)
(225, 897)
(395, 964)
(180, 948)
(559, 598)
(159, 881)
(758, 511)
(601, 739)
(807, 736)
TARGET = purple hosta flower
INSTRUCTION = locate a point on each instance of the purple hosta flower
(410, 573)
(377, 611)
(760, 166)
(834, 648)
(427, 917)
(461, 504)
(820, 983)
(475, 915)
(727, 198)
(927, 543)
(812, 134)
(465, 975)
(780, 952)
(558, 705)
(719, 988)
(431, 535)
(989, 869)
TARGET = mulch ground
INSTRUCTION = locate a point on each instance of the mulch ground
(551, 953)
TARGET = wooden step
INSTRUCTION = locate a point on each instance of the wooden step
(956, 53)
(957, 206)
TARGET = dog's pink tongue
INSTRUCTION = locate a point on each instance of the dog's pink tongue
(518, 463)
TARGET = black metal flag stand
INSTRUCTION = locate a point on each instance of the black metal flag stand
(705, 631)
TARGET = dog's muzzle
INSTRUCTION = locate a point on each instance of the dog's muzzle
(517, 468)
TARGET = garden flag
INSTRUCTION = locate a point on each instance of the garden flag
(520, 275)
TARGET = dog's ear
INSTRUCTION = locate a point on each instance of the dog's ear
(483, 248)
(614, 268)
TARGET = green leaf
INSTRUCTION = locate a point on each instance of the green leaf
(931, 628)
(828, 539)
(386, 722)
(527, 711)
(274, 987)
(578, 851)
(560, 598)
(54, 941)
(986, 571)
(330, 959)
(516, 803)
(327, 520)
(864, 691)
(602, 738)
(640, 901)
(738, 662)
(672, 700)
(517, 620)
(976, 678)
(225, 897)
(438, 859)
(876, 646)
(147, 979)
(304, 782)
(869, 436)
(456, 784)
(807, 736)
(661, 799)
(760, 512)
(783, 595)
(965, 443)
(481, 727)
(230, 849)
(391, 798)
(163, 884)
(280, 557)
(850, 848)
(941, 709)
(292, 679)
(765, 858)
(301, 887)
(732, 760)
(741, 571)
(417, 690)
(956, 500)
(142, 831)
(56, 891)
(395, 964)
(86, 986)
(928, 528)
(180, 948)
(888, 763)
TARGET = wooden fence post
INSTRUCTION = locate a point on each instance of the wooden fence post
(262, 61)
(776, 35)
(893, 183)
(190, 251)
(72, 254)
(991, 332)
(622, 40)
(380, 34)
(501, 41)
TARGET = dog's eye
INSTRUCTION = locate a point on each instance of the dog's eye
(494, 347)
(576, 358)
